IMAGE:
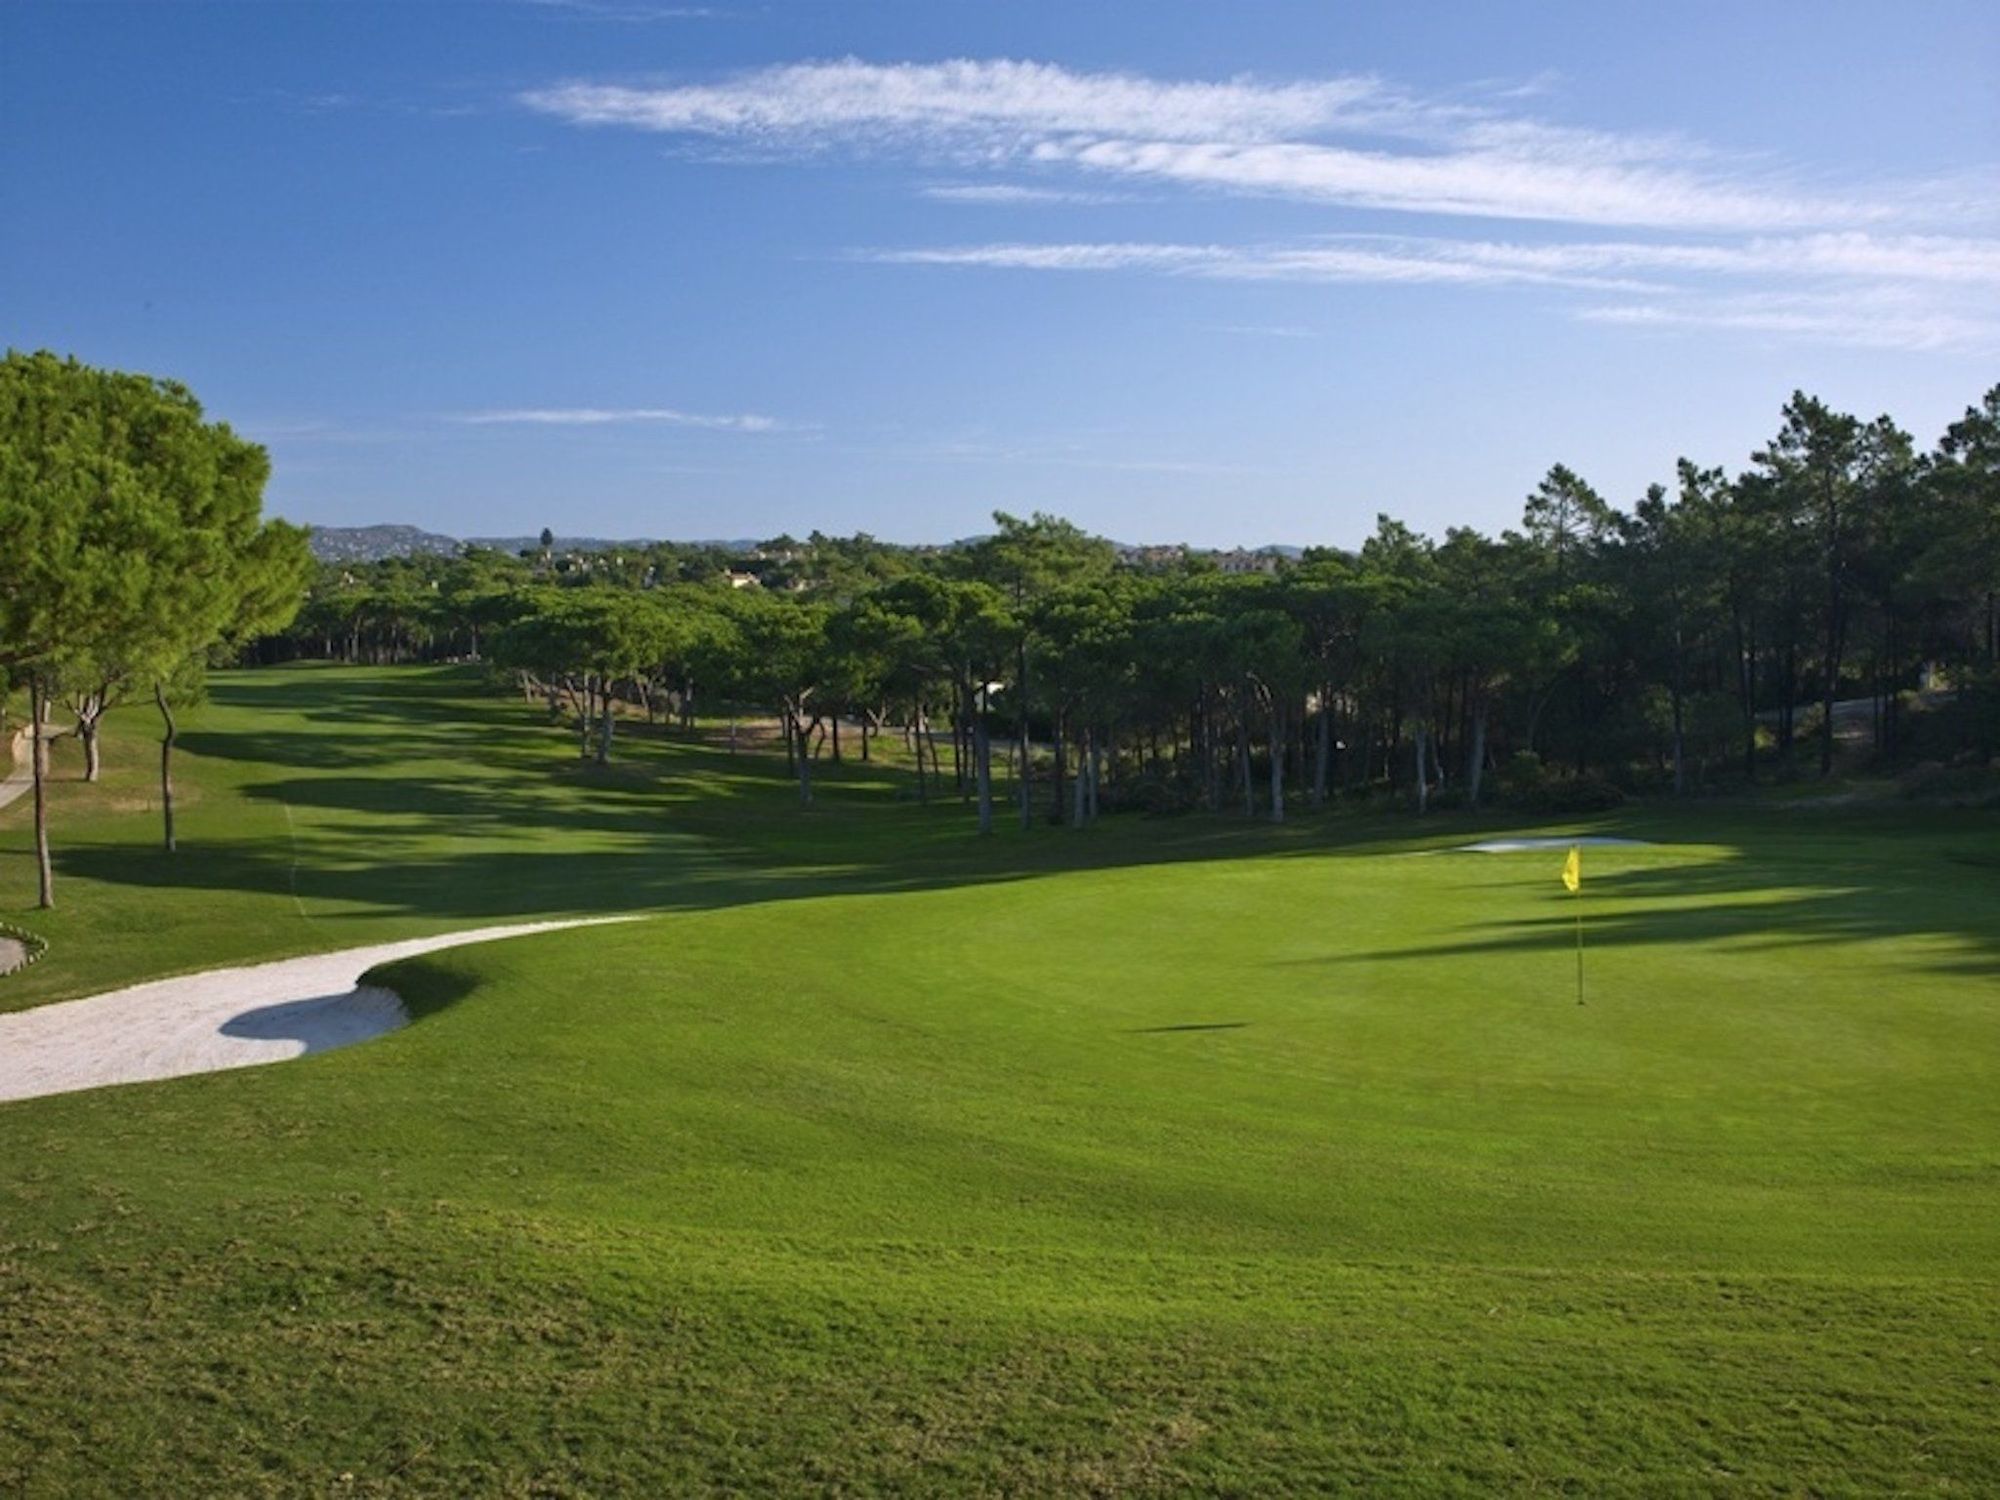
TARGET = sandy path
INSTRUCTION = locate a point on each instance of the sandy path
(223, 1018)
(21, 775)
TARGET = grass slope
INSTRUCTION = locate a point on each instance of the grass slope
(1165, 1156)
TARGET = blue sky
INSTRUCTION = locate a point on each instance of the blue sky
(1223, 273)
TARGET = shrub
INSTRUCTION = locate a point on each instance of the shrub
(1587, 793)
(1958, 785)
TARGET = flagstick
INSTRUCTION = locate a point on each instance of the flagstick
(1579, 945)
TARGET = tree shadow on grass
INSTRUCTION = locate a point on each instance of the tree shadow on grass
(1888, 882)
(409, 799)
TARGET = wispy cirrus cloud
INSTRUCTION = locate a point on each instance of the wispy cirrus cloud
(1599, 265)
(1559, 180)
(624, 10)
(1010, 193)
(1240, 135)
(1928, 258)
(1311, 262)
(1881, 318)
(1921, 293)
(1693, 233)
(601, 416)
(811, 104)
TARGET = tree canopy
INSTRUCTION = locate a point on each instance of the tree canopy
(134, 545)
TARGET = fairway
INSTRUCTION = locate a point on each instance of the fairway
(1170, 1155)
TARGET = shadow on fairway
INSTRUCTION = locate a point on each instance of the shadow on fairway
(1883, 877)
(422, 793)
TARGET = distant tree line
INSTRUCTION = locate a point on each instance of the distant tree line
(1701, 638)
(132, 548)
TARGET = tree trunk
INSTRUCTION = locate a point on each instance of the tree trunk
(1021, 734)
(959, 736)
(167, 764)
(836, 737)
(1277, 760)
(1243, 764)
(804, 762)
(1475, 756)
(982, 755)
(1080, 787)
(87, 726)
(1746, 672)
(1423, 771)
(1786, 713)
(1061, 765)
(1322, 748)
(1835, 644)
(606, 718)
(1680, 732)
(38, 762)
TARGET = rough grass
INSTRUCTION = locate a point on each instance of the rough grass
(1166, 1156)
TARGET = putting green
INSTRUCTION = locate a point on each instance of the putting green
(1187, 1156)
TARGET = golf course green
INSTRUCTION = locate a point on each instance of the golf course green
(1176, 1154)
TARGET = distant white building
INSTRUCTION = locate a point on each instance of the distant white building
(1242, 561)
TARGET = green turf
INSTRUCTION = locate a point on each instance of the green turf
(1166, 1156)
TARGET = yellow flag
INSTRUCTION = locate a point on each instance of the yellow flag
(1573, 870)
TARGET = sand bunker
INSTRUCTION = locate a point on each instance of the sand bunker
(1525, 846)
(224, 1018)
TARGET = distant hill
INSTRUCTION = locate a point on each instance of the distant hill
(372, 543)
(598, 543)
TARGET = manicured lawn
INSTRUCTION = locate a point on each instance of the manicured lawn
(1163, 1156)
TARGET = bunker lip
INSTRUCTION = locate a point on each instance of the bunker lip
(1531, 845)
(220, 1018)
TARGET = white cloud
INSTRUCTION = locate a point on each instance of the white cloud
(1908, 292)
(1238, 135)
(1884, 319)
(1012, 193)
(1569, 184)
(1311, 262)
(1672, 219)
(1931, 258)
(982, 99)
(625, 10)
(596, 416)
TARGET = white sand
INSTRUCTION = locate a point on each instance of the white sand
(224, 1018)
(1526, 846)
